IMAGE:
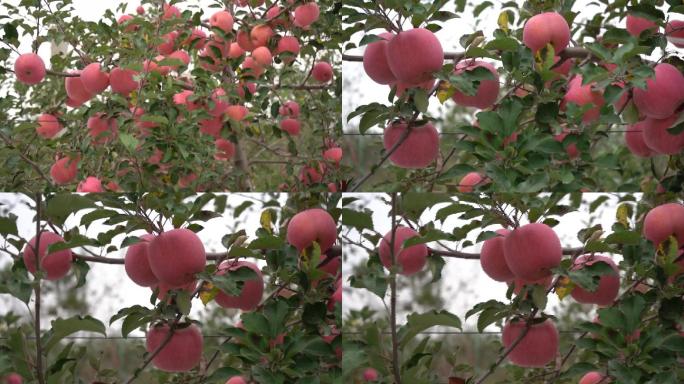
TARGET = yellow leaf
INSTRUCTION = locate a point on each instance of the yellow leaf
(208, 293)
(622, 214)
(265, 220)
(563, 287)
(503, 21)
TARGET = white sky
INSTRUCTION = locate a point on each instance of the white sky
(104, 300)
(460, 272)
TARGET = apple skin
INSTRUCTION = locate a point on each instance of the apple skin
(64, 170)
(29, 69)
(546, 28)
(183, 351)
(584, 95)
(675, 33)
(664, 221)
(311, 225)
(370, 374)
(492, 257)
(48, 126)
(636, 25)
(418, 150)
(236, 380)
(306, 14)
(487, 91)
(634, 140)
(322, 72)
(412, 259)
(425, 51)
(176, 256)
(375, 60)
(609, 285)
(13, 378)
(252, 290)
(658, 139)
(663, 94)
(592, 378)
(469, 182)
(55, 265)
(137, 263)
(94, 80)
(532, 250)
(536, 349)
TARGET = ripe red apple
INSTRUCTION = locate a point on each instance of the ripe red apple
(488, 90)
(306, 14)
(170, 12)
(532, 250)
(251, 68)
(331, 267)
(411, 259)
(370, 374)
(636, 25)
(122, 81)
(48, 126)
(546, 28)
(212, 127)
(102, 129)
(236, 380)
(469, 182)
(659, 139)
(375, 60)
(593, 378)
(252, 290)
(140, 10)
(137, 263)
(13, 378)
(126, 21)
(181, 353)
(186, 99)
(537, 348)
(262, 55)
(260, 35)
(634, 139)
(608, 287)
(64, 170)
(311, 225)
(289, 109)
(322, 72)
(225, 149)
(333, 154)
(176, 256)
(94, 80)
(56, 264)
(425, 52)
(180, 55)
(76, 90)
(664, 221)
(419, 149)
(289, 44)
(492, 257)
(222, 20)
(674, 30)
(235, 51)
(571, 149)
(90, 185)
(196, 40)
(277, 16)
(237, 112)
(663, 94)
(583, 95)
(29, 68)
(311, 175)
(291, 126)
(169, 43)
(244, 40)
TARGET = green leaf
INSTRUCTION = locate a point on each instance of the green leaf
(129, 141)
(62, 328)
(417, 323)
(8, 226)
(357, 219)
(65, 204)
(267, 242)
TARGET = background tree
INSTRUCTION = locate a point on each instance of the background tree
(214, 95)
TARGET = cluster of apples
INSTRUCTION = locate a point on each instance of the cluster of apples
(254, 46)
(658, 103)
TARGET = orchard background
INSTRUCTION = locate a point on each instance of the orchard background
(528, 138)
(93, 320)
(449, 315)
(183, 109)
